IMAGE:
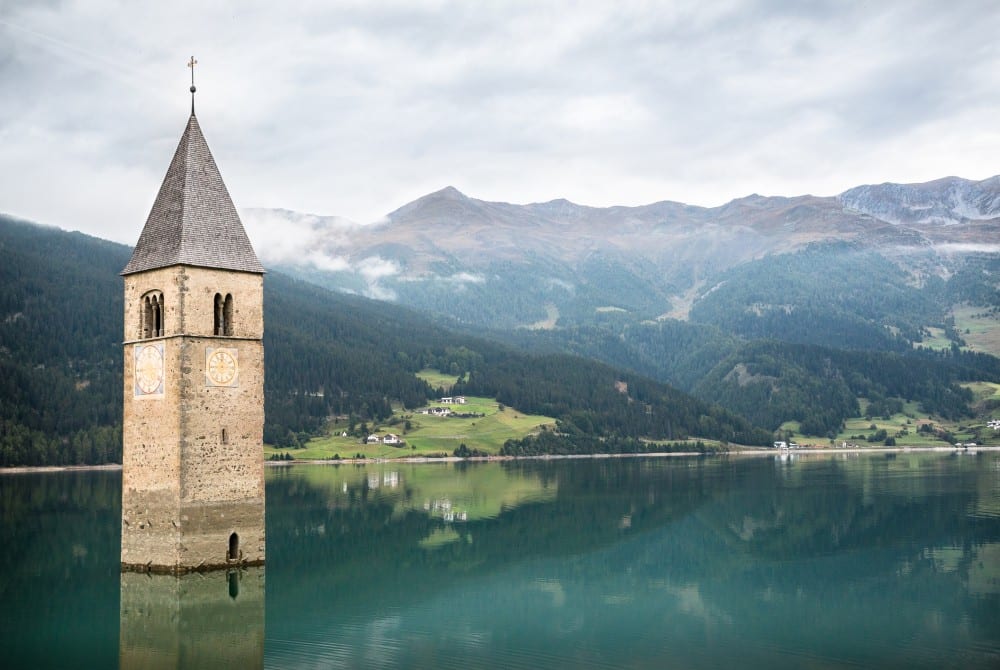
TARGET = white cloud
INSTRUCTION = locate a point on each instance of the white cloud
(374, 268)
(970, 248)
(354, 108)
(292, 238)
(466, 278)
(377, 292)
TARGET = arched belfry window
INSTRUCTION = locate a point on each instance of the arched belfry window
(151, 318)
(223, 314)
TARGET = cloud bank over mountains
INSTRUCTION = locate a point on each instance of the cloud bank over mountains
(352, 108)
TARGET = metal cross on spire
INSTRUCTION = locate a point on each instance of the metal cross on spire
(191, 64)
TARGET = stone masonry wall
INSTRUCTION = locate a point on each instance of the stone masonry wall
(189, 298)
(187, 485)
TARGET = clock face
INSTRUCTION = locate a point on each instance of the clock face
(149, 369)
(221, 366)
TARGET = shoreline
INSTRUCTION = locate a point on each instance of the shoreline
(26, 469)
(18, 469)
(656, 454)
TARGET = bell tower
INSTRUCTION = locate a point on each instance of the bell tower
(192, 462)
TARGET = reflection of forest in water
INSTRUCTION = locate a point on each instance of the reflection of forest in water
(60, 558)
(757, 507)
(842, 542)
(821, 553)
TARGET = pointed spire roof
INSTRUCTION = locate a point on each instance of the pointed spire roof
(193, 221)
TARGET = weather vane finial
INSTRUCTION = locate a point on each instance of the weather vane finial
(191, 64)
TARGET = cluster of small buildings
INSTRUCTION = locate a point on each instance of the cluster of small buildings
(436, 411)
(786, 445)
(994, 424)
(444, 411)
(389, 438)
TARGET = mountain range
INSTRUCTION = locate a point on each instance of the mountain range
(781, 309)
(732, 323)
(463, 257)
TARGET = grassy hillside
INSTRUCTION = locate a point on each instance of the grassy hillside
(909, 424)
(427, 435)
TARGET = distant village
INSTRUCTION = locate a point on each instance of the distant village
(439, 411)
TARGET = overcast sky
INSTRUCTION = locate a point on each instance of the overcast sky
(356, 108)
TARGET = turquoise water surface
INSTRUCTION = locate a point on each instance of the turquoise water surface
(882, 560)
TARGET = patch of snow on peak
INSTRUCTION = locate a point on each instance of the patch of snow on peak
(945, 202)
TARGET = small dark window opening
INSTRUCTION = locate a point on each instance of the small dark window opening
(158, 315)
(227, 315)
(234, 547)
(147, 318)
(220, 316)
(225, 436)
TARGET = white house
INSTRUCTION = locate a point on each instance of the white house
(447, 400)
(373, 439)
(391, 439)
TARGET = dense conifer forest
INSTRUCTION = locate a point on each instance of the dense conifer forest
(802, 336)
(327, 355)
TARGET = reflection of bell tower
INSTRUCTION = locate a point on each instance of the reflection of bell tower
(193, 472)
(192, 621)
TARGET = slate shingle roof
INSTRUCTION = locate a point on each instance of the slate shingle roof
(193, 221)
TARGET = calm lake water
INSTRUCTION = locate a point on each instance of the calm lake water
(820, 561)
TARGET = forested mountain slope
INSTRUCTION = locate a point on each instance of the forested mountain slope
(327, 354)
(60, 346)
(797, 337)
(698, 297)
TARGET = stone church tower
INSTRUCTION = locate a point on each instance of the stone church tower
(193, 471)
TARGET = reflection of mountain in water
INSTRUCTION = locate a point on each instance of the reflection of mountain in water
(808, 555)
(60, 557)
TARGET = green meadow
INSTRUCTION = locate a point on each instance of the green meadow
(904, 425)
(438, 379)
(427, 435)
(980, 330)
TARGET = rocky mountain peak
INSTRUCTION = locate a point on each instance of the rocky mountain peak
(944, 202)
(447, 204)
(449, 192)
